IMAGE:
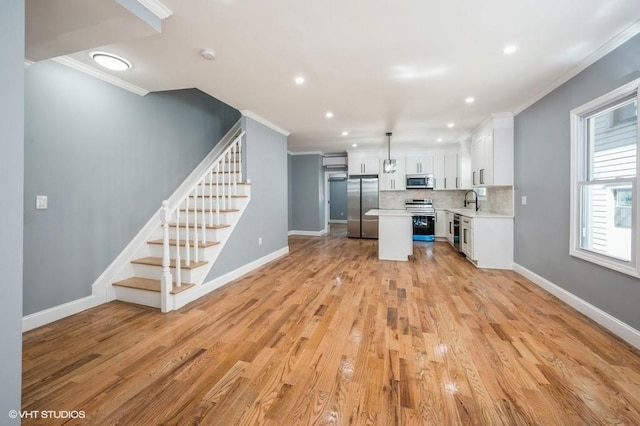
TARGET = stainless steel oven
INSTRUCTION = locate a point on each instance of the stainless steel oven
(424, 216)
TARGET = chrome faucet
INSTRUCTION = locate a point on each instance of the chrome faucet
(467, 202)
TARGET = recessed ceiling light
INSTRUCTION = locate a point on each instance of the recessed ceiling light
(299, 81)
(355, 145)
(450, 125)
(345, 133)
(470, 100)
(329, 114)
(111, 61)
(508, 50)
(439, 139)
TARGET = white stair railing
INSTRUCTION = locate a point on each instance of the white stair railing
(229, 164)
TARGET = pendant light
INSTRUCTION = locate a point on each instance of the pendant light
(389, 165)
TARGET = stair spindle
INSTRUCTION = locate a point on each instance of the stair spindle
(178, 257)
(186, 237)
(195, 224)
(203, 220)
(167, 280)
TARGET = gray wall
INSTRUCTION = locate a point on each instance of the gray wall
(266, 214)
(11, 189)
(289, 191)
(542, 150)
(338, 197)
(106, 158)
(307, 193)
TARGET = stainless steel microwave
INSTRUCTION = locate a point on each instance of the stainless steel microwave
(420, 181)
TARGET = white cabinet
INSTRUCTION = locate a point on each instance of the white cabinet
(449, 228)
(492, 152)
(466, 236)
(487, 241)
(419, 165)
(363, 165)
(447, 171)
(395, 181)
(441, 224)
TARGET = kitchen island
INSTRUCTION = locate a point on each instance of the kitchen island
(395, 234)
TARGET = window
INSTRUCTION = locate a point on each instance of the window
(604, 180)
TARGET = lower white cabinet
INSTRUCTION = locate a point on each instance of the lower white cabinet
(441, 224)
(487, 241)
(449, 230)
(466, 236)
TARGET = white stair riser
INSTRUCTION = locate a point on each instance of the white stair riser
(223, 177)
(140, 297)
(227, 203)
(156, 250)
(155, 273)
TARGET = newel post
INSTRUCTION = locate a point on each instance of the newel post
(166, 282)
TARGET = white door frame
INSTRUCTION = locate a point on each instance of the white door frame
(327, 193)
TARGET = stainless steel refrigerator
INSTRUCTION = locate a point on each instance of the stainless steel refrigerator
(362, 196)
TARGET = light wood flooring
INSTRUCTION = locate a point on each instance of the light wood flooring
(331, 335)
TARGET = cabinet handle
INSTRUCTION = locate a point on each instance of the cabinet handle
(445, 183)
(474, 178)
(451, 232)
(482, 176)
(457, 183)
(464, 236)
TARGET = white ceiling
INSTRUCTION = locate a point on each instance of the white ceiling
(379, 65)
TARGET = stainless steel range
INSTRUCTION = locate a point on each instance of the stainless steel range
(424, 216)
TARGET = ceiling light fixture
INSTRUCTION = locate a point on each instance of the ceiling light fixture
(450, 125)
(389, 165)
(508, 50)
(208, 54)
(355, 145)
(439, 139)
(111, 61)
(329, 114)
(345, 133)
(299, 81)
(470, 100)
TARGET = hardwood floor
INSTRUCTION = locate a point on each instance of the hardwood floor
(331, 335)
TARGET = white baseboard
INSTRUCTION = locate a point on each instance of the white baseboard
(181, 299)
(337, 221)
(611, 323)
(309, 233)
(55, 313)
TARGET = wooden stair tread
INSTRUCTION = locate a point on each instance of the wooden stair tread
(157, 261)
(215, 211)
(228, 183)
(151, 285)
(182, 243)
(182, 225)
(219, 196)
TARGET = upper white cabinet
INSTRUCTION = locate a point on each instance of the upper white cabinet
(363, 165)
(492, 152)
(419, 165)
(453, 170)
(395, 181)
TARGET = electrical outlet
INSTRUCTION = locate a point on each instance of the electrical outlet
(259, 241)
(523, 200)
(42, 202)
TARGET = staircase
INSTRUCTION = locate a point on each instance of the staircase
(196, 222)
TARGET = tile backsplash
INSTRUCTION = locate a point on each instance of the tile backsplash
(498, 199)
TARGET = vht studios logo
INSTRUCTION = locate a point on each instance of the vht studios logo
(46, 414)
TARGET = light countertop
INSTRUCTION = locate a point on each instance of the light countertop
(388, 212)
(479, 214)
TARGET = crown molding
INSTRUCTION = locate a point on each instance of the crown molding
(157, 8)
(256, 117)
(608, 47)
(306, 153)
(101, 75)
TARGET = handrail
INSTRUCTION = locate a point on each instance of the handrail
(229, 164)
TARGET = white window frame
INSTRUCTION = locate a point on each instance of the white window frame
(578, 173)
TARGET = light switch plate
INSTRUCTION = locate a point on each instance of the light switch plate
(523, 200)
(41, 202)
